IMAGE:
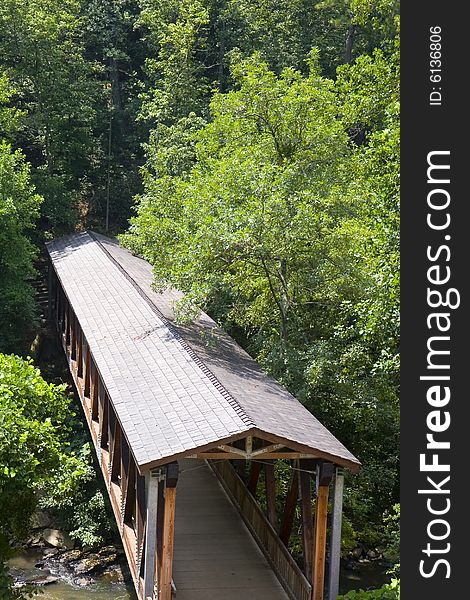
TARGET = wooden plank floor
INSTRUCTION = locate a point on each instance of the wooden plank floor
(215, 556)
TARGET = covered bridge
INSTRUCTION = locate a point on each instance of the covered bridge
(184, 407)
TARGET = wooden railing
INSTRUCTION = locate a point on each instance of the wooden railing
(289, 574)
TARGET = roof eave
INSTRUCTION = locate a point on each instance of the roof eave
(352, 464)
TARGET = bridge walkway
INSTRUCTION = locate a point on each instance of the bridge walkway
(216, 558)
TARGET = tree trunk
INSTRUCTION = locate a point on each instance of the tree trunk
(352, 30)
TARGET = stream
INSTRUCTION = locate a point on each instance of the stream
(22, 567)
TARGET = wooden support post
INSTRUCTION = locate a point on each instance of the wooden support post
(129, 503)
(115, 453)
(305, 488)
(111, 433)
(168, 532)
(95, 384)
(254, 476)
(160, 519)
(152, 480)
(289, 509)
(270, 483)
(103, 418)
(87, 374)
(125, 465)
(335, 539)
(79, 350)
(140, 513)
(324, 475)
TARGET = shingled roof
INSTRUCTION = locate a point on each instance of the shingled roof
(175, 389)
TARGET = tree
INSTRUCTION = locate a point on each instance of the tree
(176, 32)
(19, 209)
(113, 43)
(42, 53)
(38, 465)
(247, 218)
(287, 233)
(365, 24)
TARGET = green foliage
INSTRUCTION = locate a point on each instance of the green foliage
(19, 209)
(392, 539)
(74, 495)
(389, 591)
(240, 221)
(114, 49)
(37, 466)
(9, 115)
(43, 56)
(176, 30)
(270, 218)
(33, 414)
(272, 202)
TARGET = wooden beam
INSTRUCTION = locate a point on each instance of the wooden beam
(249, 445)
(115, 454)
(266, 450)
(160, 519)
(129, 500)
(87, 373)
(168, 544)
(79, 338)
(103, 417)
(325, 473)
(270, 484)
(335, 540)
(94, 392)
(318, 572)
(289, 509)
(111, 435)
(232, 456)
(232, 450)
(125, 466)
(305, 488)
(140, 512)
(152, 480)
(253, 478)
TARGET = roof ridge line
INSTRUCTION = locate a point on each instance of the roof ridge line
(199, 362)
